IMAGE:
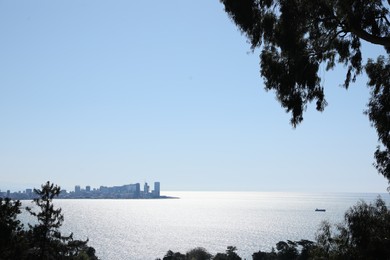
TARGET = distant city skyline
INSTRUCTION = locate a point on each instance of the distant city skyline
(109, 92)
(126, 191)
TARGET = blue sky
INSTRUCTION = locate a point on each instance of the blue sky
(116, 92)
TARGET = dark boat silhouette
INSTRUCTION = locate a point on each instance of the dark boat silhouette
(321, 210)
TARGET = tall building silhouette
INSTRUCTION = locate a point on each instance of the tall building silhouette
(156, 191)
(146, 189)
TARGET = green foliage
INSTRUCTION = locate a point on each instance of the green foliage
(264, 255)
(43, 240)
(378, 110)
(170, 255)
(45, 234)
(12, 241)
(287, 250)
(297, 36)
(46, 237)
(229, 255)
(198, 253)
(300, 250)
(9, 224)
(363, 235)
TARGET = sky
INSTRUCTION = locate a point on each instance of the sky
(108, 93)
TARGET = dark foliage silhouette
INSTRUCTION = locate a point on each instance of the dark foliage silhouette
(297, 36)
(198, 253)
(363, 235)
(13, 244)
(43, 240)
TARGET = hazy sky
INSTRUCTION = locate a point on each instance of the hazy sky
(114, 92)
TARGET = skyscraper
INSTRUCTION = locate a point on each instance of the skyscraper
(156, 191)
(146, 189)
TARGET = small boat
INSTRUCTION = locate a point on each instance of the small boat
(321, 210)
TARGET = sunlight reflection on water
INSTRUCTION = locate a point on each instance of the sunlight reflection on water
(251, 221)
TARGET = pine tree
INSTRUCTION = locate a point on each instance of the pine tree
(47, 240)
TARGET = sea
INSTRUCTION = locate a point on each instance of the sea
(250, 221)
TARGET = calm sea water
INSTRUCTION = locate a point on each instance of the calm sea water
(251, 221)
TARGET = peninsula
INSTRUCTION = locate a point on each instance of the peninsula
(128, 191)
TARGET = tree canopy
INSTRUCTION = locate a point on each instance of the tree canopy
(297, 36)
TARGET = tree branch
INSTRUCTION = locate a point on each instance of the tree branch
(387, 20)
(359, 32)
